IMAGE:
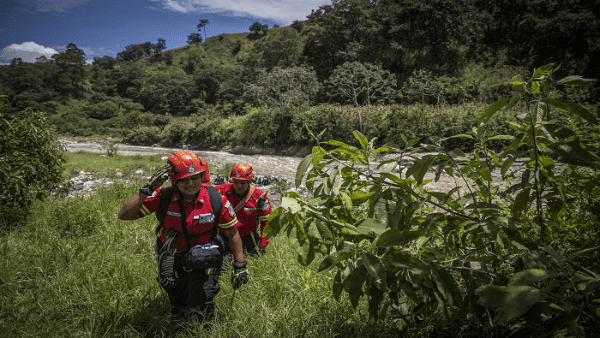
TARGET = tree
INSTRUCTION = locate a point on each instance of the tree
(137, 51)
(422, 83)
(284, 87)
(203, 24)
(341, 32)
(298, 25)
(160, 46)
(70, 78)
(194, 38)
(282, 48)
(362, 84)
(105, 62)
(257, 27)
(31, 160)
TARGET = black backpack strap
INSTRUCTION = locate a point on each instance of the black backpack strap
(216, 203)
(164, 200)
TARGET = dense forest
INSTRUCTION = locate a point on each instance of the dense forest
(353, 65)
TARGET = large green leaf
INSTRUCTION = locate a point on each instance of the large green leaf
(513, 301)
(354, 284)
(306, 252)
(332, 260)
(580, 252)
(376, 269)
(325, 233)
(335, 181)
(302, 168)
(318, 201)
(543, 70)
(574, 81)
(371, 226)
(346, 200)
(291, 204)
(313, 231)
(338, 286)
(364, 143)
(394, 237)
(531, 276)
(507, 164)
(492, 109)
(424, 165)
(573, 108)
(274, 224)
(521, 201)
(336, 143)
(346, 228)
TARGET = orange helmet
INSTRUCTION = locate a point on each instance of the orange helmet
(242, 171)
(185, 163)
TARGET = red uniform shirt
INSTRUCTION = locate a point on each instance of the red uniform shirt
(199, 216)
(249, 214)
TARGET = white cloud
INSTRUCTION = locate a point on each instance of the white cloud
(283, 12)
(27, 51)
(51, 5)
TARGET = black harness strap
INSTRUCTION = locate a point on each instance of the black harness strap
(216, 203)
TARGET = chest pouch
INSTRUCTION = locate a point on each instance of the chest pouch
(201, 257)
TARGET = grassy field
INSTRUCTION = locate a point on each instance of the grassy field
(75, 270)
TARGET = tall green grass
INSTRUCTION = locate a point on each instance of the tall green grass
(75, 270)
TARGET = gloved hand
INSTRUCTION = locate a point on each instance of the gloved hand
(240, 274)
(260, 203)
(156, 180)
(262, 244)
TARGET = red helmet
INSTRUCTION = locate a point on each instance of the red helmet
(242, 171)
(185, 163)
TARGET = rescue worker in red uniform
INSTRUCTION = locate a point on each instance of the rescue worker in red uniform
(252, 207)
(189, 224)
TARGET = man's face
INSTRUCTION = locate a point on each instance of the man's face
(240, 186)
(190, 185)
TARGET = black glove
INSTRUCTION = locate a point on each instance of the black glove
(240, 274)
(156, 180)
(260, 203)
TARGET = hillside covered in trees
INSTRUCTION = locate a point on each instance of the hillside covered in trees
(355, 64)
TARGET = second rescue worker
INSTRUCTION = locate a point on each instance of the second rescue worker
(252, 208)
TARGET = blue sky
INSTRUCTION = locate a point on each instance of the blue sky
(30, 28)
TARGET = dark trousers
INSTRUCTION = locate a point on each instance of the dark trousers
(195, 291)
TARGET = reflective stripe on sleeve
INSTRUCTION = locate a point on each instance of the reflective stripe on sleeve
(144, 210)
(229, 225)
(263, 218)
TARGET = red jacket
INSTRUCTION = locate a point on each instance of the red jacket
(199, 216)
(247, 214)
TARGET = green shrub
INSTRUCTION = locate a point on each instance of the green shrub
(173, 134)
(143, 136)
(258, 126)
(31, 160)
(336, 120)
